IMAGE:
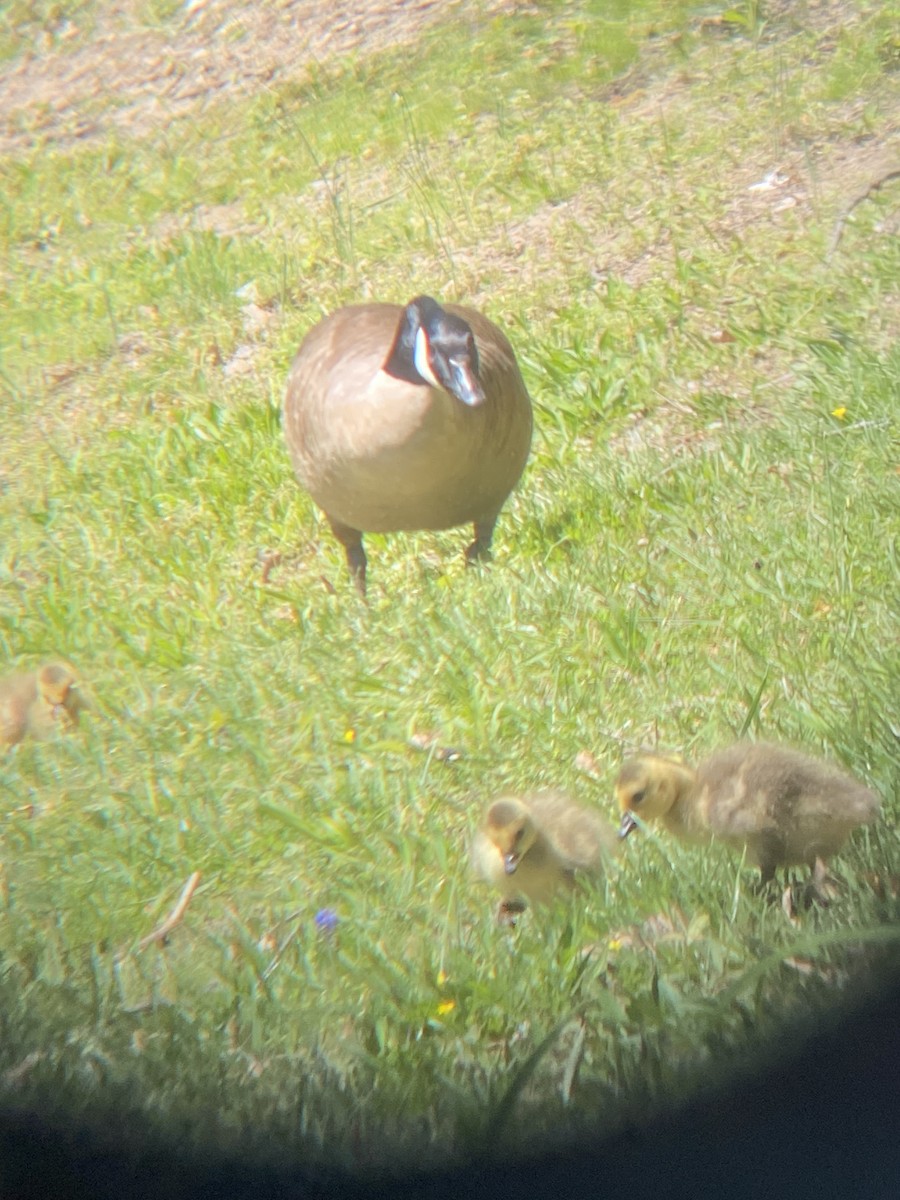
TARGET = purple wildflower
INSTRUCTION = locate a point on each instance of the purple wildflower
(326, 921)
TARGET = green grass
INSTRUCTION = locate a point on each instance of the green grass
(704, 546)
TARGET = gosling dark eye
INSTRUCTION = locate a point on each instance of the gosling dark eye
(518, 836)
(638, 796)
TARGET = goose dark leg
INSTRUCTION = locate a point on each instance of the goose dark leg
(770, 852)
(351, 540)
(764, 886)
(480, 549)
(766, 873)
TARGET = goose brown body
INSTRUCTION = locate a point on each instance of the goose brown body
(379, 453)
(38, 703)
(533, 847)
(784, 806)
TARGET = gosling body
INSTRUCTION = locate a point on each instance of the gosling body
(784, 806)
(532, 848)
(39, 703)
(407, 418)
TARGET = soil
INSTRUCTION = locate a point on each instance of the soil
(58, 91)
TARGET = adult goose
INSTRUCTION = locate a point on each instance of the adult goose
(403, 418)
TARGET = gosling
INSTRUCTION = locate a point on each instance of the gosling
(534, 847)
(39, 703)
(785, 807)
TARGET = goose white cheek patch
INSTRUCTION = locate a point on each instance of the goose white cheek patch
(422, 359)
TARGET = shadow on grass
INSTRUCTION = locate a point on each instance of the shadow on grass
(819, 1119)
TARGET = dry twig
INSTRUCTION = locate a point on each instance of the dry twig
(162, 931)
(841, 222)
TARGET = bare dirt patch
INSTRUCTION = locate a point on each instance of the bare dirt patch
(136, 79)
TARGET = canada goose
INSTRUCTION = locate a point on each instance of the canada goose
(38, 703)
(402, 418)
(784, 806)
(531, 847)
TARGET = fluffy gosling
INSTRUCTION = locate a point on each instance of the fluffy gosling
(783, 806)
(532, 847)
(39, 703)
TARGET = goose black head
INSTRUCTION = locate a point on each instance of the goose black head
(436, 348)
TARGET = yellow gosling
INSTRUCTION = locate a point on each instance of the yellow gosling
(530, 848)
(39, 703)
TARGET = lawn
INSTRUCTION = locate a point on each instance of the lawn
(684, 220)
